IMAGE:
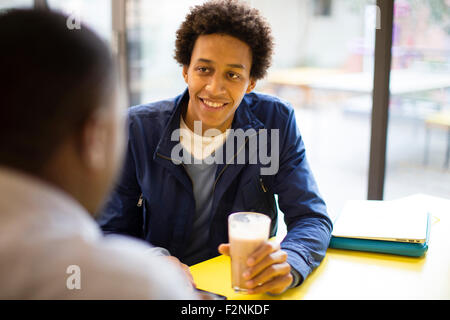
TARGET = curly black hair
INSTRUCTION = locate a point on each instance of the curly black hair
(234, 18)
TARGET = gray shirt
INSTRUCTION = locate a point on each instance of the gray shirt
(202, 176)
(51, 248)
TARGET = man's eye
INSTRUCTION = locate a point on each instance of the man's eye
(202, 69)
(233, 76)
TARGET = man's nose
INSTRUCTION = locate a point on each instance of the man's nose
(216, 85)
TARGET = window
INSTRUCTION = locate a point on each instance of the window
(96, 14)
(322, 8)
(151, 25)
(419, 111)
(324, 68)
(6, 4)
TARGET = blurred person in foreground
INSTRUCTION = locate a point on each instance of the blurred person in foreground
(61, 143)
(180, 203)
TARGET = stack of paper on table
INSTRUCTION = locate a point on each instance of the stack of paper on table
(396, 227)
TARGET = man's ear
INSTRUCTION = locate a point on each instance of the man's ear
(93, 144)
(251, 85)
(185, 73)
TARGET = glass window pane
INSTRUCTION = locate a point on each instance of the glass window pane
(419, 117)
(151, 27)
(323, 65)
(5, 4)
(96, 14)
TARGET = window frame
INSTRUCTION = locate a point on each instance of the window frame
(380, 101)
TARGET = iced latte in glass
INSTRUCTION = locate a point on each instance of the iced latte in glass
(246, 232)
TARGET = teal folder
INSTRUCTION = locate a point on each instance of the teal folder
(392, 247)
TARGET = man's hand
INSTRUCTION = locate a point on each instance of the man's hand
(184, 267)
(267, 270)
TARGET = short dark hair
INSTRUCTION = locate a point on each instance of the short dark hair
(52, 79)
(230, 17)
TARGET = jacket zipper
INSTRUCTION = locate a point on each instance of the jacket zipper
(226, 166)
(141, 199)
(262, 185)
(168, 158)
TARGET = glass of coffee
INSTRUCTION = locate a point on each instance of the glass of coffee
(246, 232)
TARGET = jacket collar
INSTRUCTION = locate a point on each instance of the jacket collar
(166, 144)
(244, 118)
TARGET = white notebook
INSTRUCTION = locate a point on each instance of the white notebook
(396, 220)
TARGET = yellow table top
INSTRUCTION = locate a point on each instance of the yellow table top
(345, 274)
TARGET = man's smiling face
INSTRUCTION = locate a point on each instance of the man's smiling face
(218, 77)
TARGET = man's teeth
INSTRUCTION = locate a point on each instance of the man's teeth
(213, 104)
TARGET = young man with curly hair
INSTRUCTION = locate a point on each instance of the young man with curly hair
(181, 206)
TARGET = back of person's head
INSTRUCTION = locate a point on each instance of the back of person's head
(52, 79)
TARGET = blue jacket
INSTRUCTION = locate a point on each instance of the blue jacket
(164, 217)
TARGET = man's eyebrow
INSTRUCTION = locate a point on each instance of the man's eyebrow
(239, 66)
(204, 60)
(232, 65)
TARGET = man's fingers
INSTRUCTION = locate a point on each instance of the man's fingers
(265, 249)
(271, 272)
(275, 286)
(184, 267)
(268, 271)
(273, 258)
(188, 273)
(224, 249)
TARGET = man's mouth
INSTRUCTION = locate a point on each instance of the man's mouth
(213, 104)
